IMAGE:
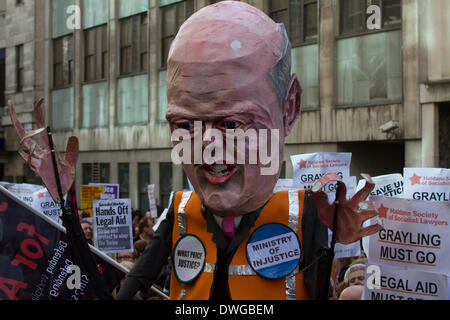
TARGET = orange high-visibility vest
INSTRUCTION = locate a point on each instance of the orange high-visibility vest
(285, 207)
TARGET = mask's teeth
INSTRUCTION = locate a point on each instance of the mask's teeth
(218, 169)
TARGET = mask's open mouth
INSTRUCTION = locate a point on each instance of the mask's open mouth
(218, 174)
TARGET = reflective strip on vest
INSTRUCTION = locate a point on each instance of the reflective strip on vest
(181, 217)
(293, 224)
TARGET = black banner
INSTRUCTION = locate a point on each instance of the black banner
(34, 256)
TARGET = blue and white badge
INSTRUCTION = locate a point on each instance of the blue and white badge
(273, 250)
(189, 257)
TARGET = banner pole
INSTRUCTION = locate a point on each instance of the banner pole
(75, 237)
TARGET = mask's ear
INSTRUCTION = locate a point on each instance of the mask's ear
(292, 104)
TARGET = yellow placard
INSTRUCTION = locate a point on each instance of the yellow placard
(88, 194)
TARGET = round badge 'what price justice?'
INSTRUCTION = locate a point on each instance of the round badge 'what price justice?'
(189, 258)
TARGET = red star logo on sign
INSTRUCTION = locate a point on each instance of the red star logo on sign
(415, 179)
(382, 211)
(302, 164)
(40, 195)
(3, 206)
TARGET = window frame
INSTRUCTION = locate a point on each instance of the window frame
(302, 30)
(186, 15)
(135, 45)
(365, 31)
(70, 63)
(100, 54)
(19, 68)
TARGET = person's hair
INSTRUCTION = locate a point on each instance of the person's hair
(86, 221)
(359, 261)
(142, 224)
(84, 215)
(340, 287)
(280, 73)
(353, 268)
(139, 247)
(135, 213)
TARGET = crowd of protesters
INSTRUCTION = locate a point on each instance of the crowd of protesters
(142, 226)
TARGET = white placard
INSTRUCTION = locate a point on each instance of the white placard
(403, 284)
(309, 167)
(23, 191)
(151, 200)
(112, 225)
(389, 185)
(415, 234)
(347, 250)
(429, 184)
(43, 202)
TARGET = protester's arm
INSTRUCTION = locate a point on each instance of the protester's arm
(148, 266)
(315, 237)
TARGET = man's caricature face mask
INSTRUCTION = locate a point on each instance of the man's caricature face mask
(218, 80)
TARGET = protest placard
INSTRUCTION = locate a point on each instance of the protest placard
(112, 225)
(23, 191)
(43, 201)
(88, 195)
(151, 200)
(429, 184)
(110, 190)
(309, 167)
(389, 185)
(415, 234)
(35, 254)
(403, 284)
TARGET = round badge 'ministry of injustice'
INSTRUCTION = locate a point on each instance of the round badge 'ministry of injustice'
(273, 250)
(188, 258)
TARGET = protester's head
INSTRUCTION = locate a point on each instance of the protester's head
(84, 215)
(139, 247)
(355, 275)
(352, 293)
(145, 227)
(229, 67)
(125, 256)
(86, 226)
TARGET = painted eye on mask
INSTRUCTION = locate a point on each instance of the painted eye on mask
(187, 125)
(230, 124)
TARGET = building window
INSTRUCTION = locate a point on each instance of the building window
(165, 183)
(173, 17)
(124, 180)
(133, 44)
(2, 77)
(19, 68)
(299, 18)
(63, 61)
(95, 173)
(143, 182)
(96, 53)
(353, 16)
